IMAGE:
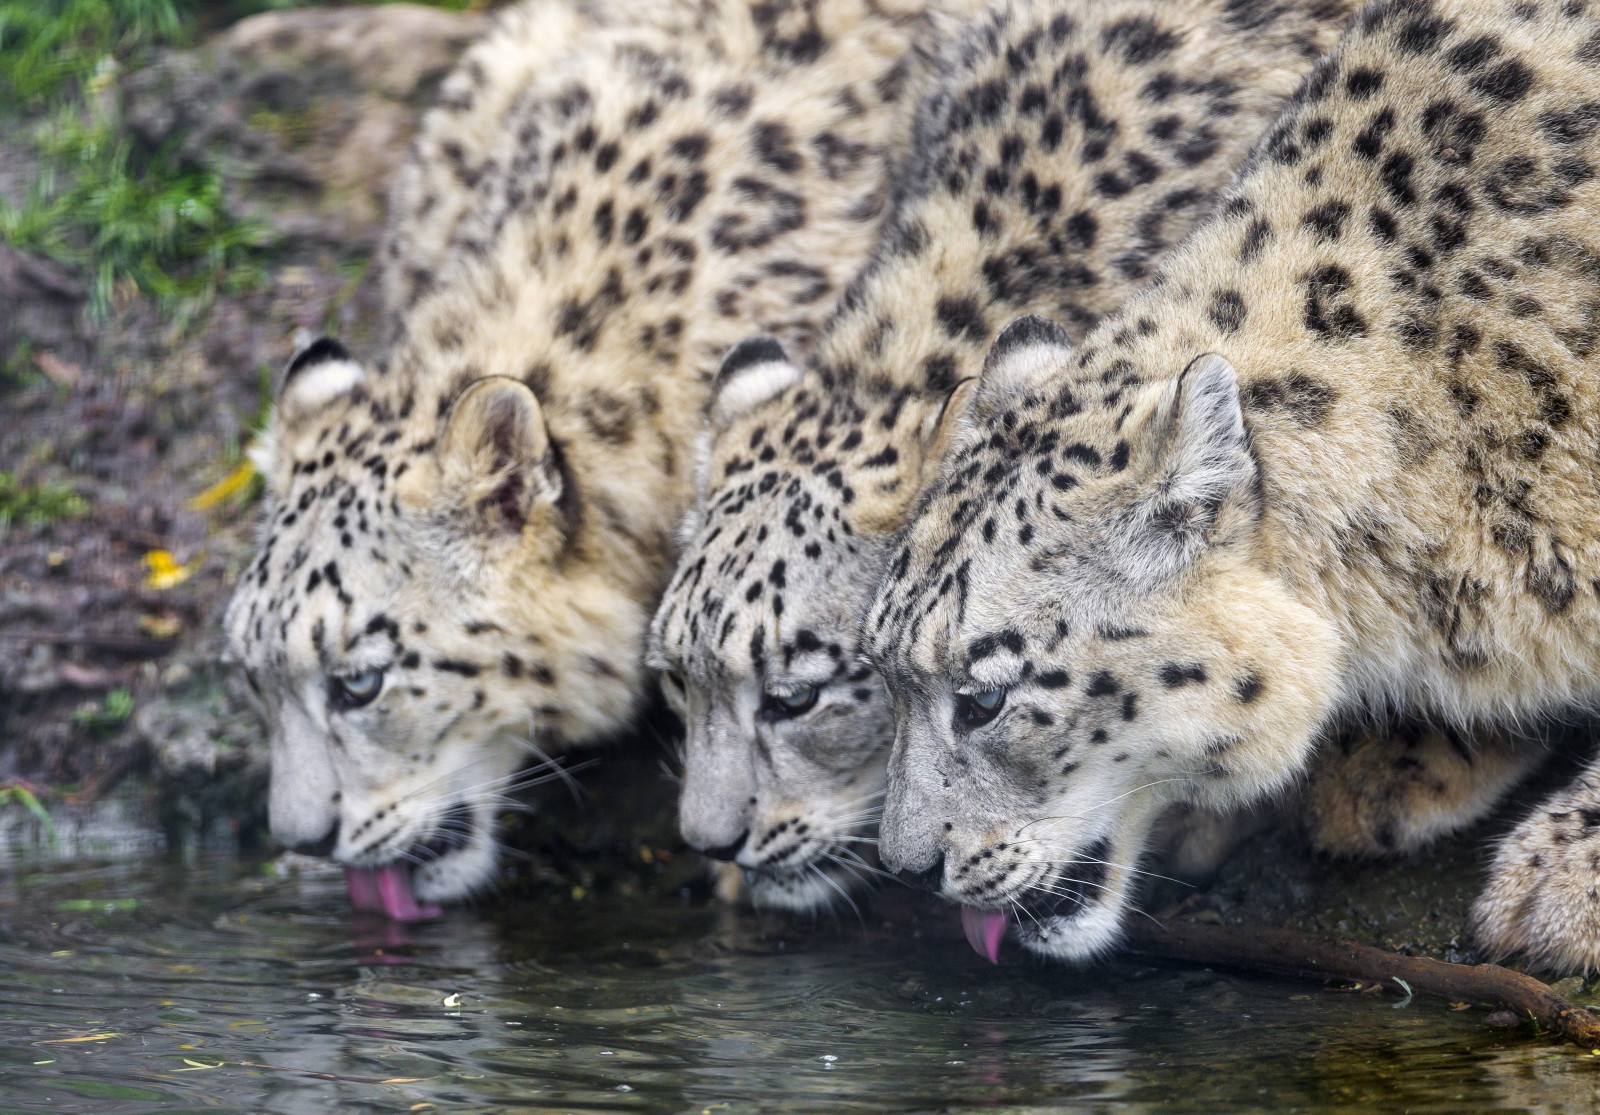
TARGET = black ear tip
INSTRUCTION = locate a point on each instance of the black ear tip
(320, 351)
(1030, 329)
(754, 350)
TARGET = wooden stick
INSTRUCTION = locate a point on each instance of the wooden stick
(1293, 952)
(120, 644)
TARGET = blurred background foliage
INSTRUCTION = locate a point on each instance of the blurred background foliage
(133, 221)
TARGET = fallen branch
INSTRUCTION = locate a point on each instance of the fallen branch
(133, 645)
(1293, 952)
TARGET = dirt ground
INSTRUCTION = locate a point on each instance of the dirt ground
(307, 115)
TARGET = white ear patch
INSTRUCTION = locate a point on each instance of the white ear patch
(320, 372)
(753, 372)
(320, 383)
(1025, 351)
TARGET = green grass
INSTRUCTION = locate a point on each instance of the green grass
(154, 226)
(133, 222)
(25, 797)
(52, 48)
(35, 505)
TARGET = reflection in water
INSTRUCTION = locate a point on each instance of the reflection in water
(215, 987)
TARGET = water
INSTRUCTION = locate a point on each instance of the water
(212, 986)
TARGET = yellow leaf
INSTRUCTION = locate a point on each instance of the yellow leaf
(164, 570)
(161, 627)
(203, 1065)
(69, 1041)
(235, 481)
(405, 1080)
(452, 1000)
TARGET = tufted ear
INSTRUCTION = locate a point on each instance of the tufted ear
(1203, 457)
(316, 375)
(1023, 353)
(754, 372)
(319, 372)
(496, 462)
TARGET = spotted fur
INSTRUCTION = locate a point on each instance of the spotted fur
(1067, 146)
(1349, 463)
(606, 198)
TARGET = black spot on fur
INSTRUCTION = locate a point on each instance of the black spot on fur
(1227, 312)
(1175, 675)
(1248, 688)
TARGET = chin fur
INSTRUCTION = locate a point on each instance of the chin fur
(1082, 938)
(461, 872)
(806, 892)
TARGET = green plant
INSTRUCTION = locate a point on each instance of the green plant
(18, 367)
(159, 226)
(48, 48)
(25, 797)
(114, 709)
(132, 220)
(35, 505)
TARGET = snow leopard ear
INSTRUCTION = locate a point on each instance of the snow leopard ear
(754, 372)
(320, 371)
(497, 466)
(1202, 452)
(1024, 352)
(941, 428)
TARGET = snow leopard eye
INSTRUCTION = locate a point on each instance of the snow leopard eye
(783, 706)
(974, 710)
(352, 692)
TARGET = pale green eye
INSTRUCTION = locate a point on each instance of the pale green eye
(974, 710)
(781, 706)
(355, 690)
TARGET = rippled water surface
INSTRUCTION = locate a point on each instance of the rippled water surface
(165, 987)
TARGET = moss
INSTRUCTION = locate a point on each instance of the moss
(113, 710)
(35, 505)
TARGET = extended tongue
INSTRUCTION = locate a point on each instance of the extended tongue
(984, 929)
(386, 890)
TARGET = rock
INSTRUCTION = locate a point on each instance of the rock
(307, 114)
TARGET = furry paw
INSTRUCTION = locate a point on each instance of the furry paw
(1543, 896)
(1192, 843)
(1389, 787)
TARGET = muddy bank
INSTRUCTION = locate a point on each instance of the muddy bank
(108, 619)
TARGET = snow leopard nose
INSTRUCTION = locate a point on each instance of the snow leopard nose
(322, 846)
(727, 852)
(929, 878)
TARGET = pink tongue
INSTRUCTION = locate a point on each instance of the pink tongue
(387, 889)
(984, 930)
